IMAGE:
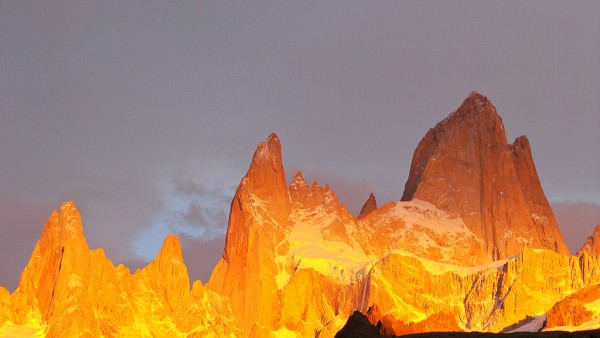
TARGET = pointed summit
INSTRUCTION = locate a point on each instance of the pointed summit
(60, 252)
(477, 96)
(470, 133)
(258, 221)
(299, 189)
(592, 244)
(298, 179)
(64, 225)
(478, 103)
(63, 274)
(265, 176)
(269, 149)
(171, 250)
(167, 274)
(465, 167)
(369, 206)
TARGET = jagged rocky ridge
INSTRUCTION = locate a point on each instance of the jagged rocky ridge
(296, 263)
(68, 290)
(369, 206)
(592, 244)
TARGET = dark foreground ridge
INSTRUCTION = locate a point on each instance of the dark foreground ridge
(358, 326)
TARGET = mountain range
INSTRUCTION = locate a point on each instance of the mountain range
(472, 245)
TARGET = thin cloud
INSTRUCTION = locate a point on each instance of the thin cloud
(188, 187)
(191, 209)
(195, 215)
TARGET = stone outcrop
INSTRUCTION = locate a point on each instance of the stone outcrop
(167, 274)
(296, 263)
(257, 224)
(571, 311)
(591, 245)
(314, 202)
(389, 326)
(4, 305)
(425, 231)
(358, 326)
(64, 281)
(309, 229)
(485, 298)
(68, 290)
(369, 206)
(465, 167)
(268, 226)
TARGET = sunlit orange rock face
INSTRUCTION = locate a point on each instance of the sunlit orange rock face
(257, 223)
(486, 298)
(472, 246)
(279, 236)
(77, 292)
(255, 267)
(464, 166)
(4, 305)
(592, 244)
(572, 311)
(422, 229)
(312, 242)
(64, 281)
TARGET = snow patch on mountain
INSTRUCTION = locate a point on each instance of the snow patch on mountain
(438, 268)
(535, 324)
(309, 250)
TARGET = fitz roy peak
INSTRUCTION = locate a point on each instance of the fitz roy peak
(465, 167)
(472, 245)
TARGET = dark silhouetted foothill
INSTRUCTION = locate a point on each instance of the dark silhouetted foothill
(359, 326)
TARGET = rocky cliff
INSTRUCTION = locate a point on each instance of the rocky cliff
(258, 221)
(473, 246)
(465, 167)
(369, 206)
(67, 290)
(592, 244)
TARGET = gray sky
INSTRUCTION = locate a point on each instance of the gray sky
(147, 113)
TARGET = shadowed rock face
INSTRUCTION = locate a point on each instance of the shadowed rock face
(465, 167)
(369, 206)
(358, 326)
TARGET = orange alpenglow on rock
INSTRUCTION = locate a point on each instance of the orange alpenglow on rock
(67, 290)
(465, 167)
(369, 206)
(572, 311)
(296, 263)
(167, 274)
(592, 244)
(246, 272)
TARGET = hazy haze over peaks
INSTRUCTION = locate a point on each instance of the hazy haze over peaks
(147, 113)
